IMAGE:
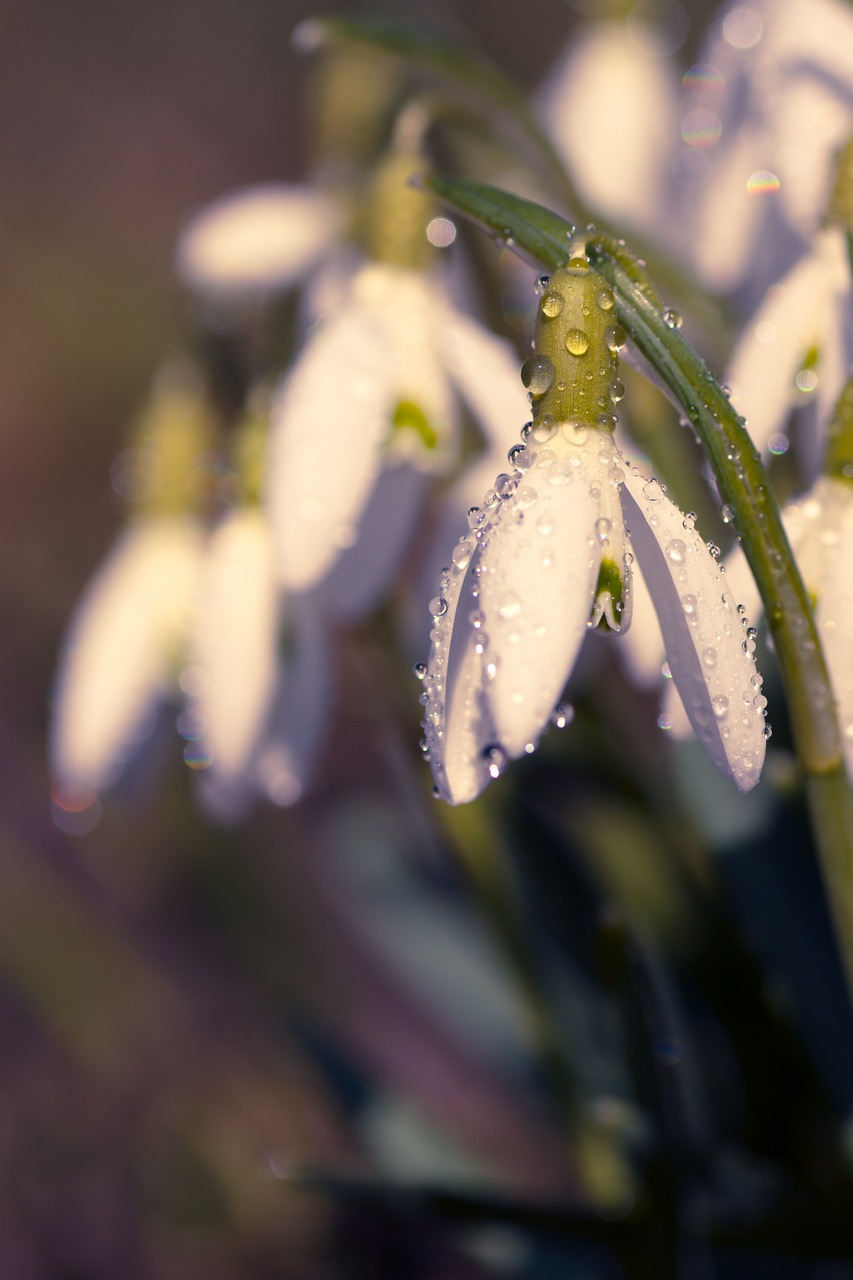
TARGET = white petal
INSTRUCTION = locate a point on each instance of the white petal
(123, 650)
(835, 617)
(301, 713)
(538, 573)
(364, 572)
(703, 633)
(413, 317)
(236, 632)
(769, 355)
(259, 238)
(641, 647)
(728, 219)
(328, 426)
(611, 109)
(485, 369)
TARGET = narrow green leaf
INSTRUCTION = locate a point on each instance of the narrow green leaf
(530, 229)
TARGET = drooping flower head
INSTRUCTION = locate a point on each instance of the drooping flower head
(548, 556)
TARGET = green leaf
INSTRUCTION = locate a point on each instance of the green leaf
(533, 231)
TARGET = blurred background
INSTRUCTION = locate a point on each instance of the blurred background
(595, 1030)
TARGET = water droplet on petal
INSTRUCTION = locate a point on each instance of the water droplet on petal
(720, 703)
(438, 606)
(419, 670)
(676, 551)
(604, 298)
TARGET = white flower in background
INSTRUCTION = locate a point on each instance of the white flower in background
(375, 390)
(124, 650)
(548, 556)
(798, 345)
(257, 240)
(611, 107)
(126, 641)
(768, 108)
(259, 679)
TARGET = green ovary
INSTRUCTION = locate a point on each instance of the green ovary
(409, 416)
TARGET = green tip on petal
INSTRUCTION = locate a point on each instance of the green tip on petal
(409, 416)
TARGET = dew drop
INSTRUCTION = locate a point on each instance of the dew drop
(461, 553)
(521, 457)
(438, 606)
(709, 657)
(603, 527)
(672, 319)
(727, 513)
(543, 428)
(617, 390)
(690, 605)
(720, 703)
(552, 303)
(604, 299)
(577, 267)
(505, 485)
(577, 342)
(537, 374)
(562, 715)
(615, 337)
(476, 517)
(419, 670)
(495, 758)
(676, 551)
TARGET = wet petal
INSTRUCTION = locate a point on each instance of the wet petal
(123, 650)
(538, 573)
(235, 646)
(702, 630)
(328, 427)
(256, 239)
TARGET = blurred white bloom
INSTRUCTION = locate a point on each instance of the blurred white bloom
(777, 82)
(124, 649)
(611, 108)
(253, 734)
(798, 344)
(550, 559)
(374, 390)
(256, 240)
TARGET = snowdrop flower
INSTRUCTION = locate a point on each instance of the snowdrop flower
(769, 106)
(255, 241)
(610, 105)
(125, 645)
(798, 344)
(251, 732)
(376, 390)
(123, 650)
(548, 556)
